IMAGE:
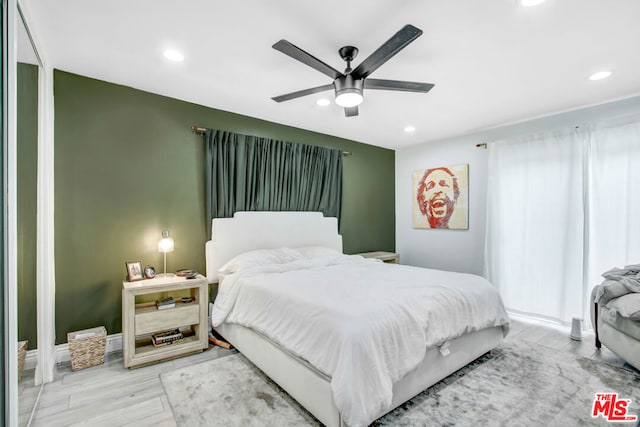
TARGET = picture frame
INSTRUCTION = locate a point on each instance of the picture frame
(441, 197)
(134, 271)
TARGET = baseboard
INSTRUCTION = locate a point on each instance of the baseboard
(114, 343)
(31, 359)
(586, 329)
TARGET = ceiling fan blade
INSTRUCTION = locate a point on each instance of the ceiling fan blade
(350, 111)
(306, 58)
(300, 93)
(395, 44)
(397, 85)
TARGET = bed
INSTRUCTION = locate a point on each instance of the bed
(349, 338)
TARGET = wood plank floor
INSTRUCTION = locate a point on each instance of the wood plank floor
(111, 395)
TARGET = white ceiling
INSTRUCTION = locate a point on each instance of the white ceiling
(492, 62)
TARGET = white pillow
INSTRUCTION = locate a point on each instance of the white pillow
(260, 257)
(627, 306)
(311, 252)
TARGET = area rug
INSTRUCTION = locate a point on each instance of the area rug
(516, 384)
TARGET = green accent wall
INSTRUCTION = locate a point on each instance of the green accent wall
(127, 166)
(27, 157)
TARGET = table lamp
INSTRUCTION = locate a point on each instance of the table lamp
(165, 245)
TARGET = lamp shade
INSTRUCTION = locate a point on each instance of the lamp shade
(166, 244)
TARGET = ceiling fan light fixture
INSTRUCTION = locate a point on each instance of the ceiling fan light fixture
(350, 97)
(348, 91)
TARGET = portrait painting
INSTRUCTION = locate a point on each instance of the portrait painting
(441, 197)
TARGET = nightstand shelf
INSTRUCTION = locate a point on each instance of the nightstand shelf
(186, 345)
(388, 257)
(141, 320)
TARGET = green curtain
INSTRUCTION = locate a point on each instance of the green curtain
(249, 173)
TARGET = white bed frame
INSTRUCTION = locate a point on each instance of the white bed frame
(311, 388)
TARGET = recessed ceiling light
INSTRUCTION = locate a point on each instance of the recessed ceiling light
(409, 129)
(323, 102)
(600, 75)
(173, 55)
(529, 3)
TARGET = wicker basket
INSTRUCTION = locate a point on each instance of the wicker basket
(22, 355)
(87, 347)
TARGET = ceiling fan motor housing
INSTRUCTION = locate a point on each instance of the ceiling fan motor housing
(347, 84)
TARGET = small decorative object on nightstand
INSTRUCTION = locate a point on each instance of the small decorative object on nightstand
(189, 274)
(388, 257)
(142, 320)
(149, 272)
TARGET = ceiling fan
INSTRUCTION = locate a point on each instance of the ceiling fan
(350, 84)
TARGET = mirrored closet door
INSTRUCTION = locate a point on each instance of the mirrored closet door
(27, 70)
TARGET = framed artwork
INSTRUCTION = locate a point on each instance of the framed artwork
(134, 271)
(441, 197)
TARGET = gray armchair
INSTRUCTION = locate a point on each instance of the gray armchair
(615, 315)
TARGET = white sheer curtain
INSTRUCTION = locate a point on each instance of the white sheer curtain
(561, 209)
(614, 199)
(535, 222)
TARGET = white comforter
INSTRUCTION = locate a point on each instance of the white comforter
(364, 323)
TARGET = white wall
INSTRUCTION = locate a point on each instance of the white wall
(463, 250)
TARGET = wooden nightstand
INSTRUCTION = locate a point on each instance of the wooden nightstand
(141, 320)
(388, 257)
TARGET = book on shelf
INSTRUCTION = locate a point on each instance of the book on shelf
(166, 337)
(166, 303)
(166, 306)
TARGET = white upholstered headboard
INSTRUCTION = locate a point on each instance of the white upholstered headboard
(267, 230)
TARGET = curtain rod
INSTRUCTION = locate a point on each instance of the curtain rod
(485, 144)
(201, 131)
